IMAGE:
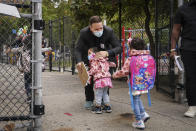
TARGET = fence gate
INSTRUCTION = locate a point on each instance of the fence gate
(60, 36)
(165, 66)
(19, 103)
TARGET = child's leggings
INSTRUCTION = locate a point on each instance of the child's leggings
(101, 93)
(138, 108)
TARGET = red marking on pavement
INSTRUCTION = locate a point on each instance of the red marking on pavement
(68, 114)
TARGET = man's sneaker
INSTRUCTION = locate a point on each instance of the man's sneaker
(146, 117)
(97, 110)
(139, 125)
(191, 112)
(107, 109)
(88, 105)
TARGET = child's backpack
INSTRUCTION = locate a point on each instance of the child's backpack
(23, 62)
(143, 71)
(142, 77)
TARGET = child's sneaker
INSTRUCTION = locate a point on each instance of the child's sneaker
(88, 105)
(107, 109)
(139, 125)
(146, 117)
(97, 110)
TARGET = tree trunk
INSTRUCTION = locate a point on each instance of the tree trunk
(147, 27)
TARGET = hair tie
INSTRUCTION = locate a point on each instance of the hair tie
(129, 40)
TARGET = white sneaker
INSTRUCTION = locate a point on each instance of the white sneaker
(138, 124)
(191, 112)
(146, 117)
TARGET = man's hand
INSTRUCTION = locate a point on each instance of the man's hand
(173, 54)
(79, 65)
(101, 54)
(114, 76)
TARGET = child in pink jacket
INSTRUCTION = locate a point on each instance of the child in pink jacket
(141, 69)
(99, 69)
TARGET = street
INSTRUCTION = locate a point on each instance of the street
(64, 98)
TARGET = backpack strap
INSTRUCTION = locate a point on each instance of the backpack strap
(149, 99)
(129, 84)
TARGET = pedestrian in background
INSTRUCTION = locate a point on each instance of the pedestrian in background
(185, 27)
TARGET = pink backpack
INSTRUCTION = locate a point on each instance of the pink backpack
(143, 72)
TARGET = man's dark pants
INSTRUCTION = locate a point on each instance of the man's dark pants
(89, 93)
(189, 60)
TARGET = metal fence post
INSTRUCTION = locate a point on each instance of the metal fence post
(63, 44)
(50, 41)
(73, 54)
(171, 61)
(120, 9)
(37, 61)
(59, 44)
(156, 43)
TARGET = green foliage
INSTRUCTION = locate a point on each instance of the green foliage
(9, 23)
(133, 12)
(81, 10)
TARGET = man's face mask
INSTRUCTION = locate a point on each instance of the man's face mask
(97, 29)
(98, 33)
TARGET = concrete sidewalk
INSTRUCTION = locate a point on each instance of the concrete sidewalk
(64, 99)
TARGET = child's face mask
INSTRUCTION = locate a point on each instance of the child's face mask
(90, 56)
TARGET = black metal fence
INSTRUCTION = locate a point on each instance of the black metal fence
(166, 77)
(61, 37)
(163, 31)
(167, 72)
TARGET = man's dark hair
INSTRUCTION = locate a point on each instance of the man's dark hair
(95, 19)
(137, 43)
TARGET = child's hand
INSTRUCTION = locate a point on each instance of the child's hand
(112, 64)
(114, 76)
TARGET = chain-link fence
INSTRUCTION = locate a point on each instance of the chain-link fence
(18, 106)
(61, 38)
(15, 84)
(131, 33)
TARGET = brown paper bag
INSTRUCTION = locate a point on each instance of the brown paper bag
(83, 74)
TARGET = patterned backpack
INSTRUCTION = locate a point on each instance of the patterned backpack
(142, 77)
(143, 72)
